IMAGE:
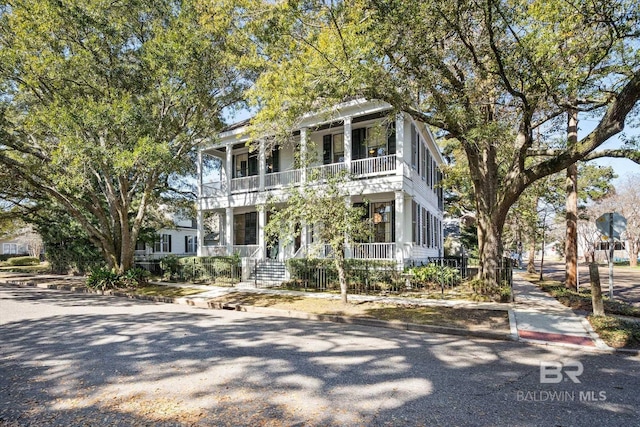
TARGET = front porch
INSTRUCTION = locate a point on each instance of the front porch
(370, 167)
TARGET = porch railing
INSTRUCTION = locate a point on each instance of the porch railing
(214, 188)
(373, 165)
(283, 179)
(244, 184)
(381, 251)
(373, 251)
(247, 251)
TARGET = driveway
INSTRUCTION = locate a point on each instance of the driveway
(74, 359)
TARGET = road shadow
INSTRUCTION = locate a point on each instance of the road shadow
(172, 365)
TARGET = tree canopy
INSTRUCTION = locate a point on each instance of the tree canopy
(490, 75)
(103, 102)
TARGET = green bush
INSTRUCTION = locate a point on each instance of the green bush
(135, 277)
(171, 267)
(23, 261)
(437, 274)
(102, 278)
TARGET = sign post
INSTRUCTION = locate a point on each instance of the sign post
(611, 225)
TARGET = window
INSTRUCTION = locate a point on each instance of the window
(190, 244)
(383, 222)
(245, 165)
(273, 161)
(333, 148)
(140, 246)
(245, 228)
(10, 248)
(162, 243)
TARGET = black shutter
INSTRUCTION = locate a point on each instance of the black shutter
(186, 244)
(169, 242)
(391, 140)
(326, 149)
(358, 150)
(275, 159)
(253, 165)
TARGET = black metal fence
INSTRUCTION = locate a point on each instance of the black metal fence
(194, 269)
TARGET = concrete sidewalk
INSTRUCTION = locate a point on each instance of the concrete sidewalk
(540, 318)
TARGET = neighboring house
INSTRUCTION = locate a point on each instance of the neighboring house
(24, 241)
(394, 164)
(180, 240)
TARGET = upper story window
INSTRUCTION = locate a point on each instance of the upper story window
(333, 148)
(373, 141)
(273, 160)
(245, 164)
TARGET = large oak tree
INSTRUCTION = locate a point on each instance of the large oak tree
(103, 102)
(487, 74)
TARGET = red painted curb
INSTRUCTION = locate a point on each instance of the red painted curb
(559, 338)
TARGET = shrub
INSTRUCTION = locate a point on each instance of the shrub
(434, 273)
(23, 261)
(135, 277)
(102, 278)
(171, 266)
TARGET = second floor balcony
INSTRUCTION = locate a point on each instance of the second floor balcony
(370, 167)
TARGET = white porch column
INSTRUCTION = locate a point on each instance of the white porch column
(303, 153)
(399, 226)
(400, 144)
(262, 165)
(199, 172)
(347, 143)
(229, 167)
(200, 231)
(262, 222)
(228, 230)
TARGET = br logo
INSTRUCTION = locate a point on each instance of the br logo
(556, 372)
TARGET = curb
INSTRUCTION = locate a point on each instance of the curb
(206, 304)
(600, 347)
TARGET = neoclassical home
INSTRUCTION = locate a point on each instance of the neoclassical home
(394, 164)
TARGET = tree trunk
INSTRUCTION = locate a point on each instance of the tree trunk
(339, 263)
(633, 250)
(571, 242)
(531, 264)
(490, 248)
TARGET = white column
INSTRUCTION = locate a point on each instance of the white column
(229, 167)
(199, 172)
(399, 226)
(262, 222)
(200, 231)
(303, 153)
(228, 230)
(400, 144)
(347, 143)
(262, 165)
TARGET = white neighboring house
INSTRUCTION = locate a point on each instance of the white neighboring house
(180, 240)
(397, 170)
(23, 242)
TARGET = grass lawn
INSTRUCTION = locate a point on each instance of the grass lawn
(470, 319)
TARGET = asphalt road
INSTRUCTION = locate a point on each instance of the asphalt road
(73, 359)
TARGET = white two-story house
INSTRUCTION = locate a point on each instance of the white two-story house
(393, 162)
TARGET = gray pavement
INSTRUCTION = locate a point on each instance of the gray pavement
(535, 317)
(80, 359)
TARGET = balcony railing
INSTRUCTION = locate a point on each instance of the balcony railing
(374, 166)
(252, 251)
(214, 188)
(363, 168)
(245, 184)
(283, 179)
(385, 251)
